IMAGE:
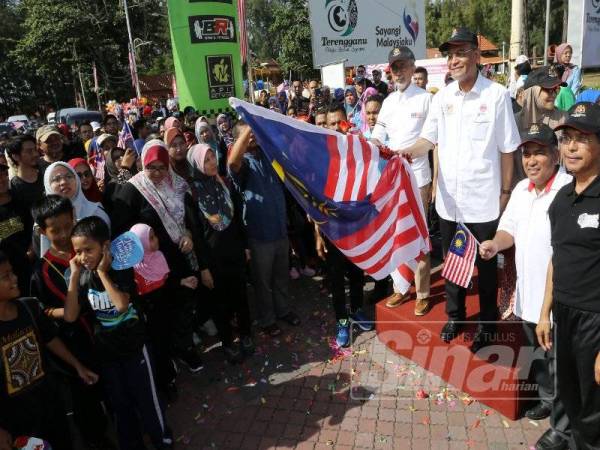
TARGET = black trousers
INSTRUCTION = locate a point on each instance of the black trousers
(229, 299)
(577, 346)
(544, 375)
(131, 389)
(488, 277)
(337, 267)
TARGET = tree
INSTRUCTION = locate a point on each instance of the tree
(291, 29)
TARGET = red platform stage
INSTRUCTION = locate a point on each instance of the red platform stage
(493, 376)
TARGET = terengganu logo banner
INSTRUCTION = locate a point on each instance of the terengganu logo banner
(364, 31)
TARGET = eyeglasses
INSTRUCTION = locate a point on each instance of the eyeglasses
(86, 174)
(58, 178)
(461, 54)
(582, 139)
(156, 169)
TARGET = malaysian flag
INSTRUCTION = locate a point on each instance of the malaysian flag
(369, 208)
(125, 137)
(243, 33)
(460, 260)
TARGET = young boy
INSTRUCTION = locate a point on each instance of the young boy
(49, 283)
(28, 396)
(126, 369)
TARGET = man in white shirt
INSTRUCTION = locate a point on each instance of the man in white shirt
(399, 124)
(526, 224)
(472, 123)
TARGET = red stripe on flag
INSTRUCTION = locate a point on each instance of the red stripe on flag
(334, 167)
(406, 272)
(351, 167)
(402, 239)
(366, 156)
(412, 201)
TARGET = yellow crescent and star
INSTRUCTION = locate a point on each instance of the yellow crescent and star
(323, 207)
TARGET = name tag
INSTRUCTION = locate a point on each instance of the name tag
(416, 115)
(586, 220)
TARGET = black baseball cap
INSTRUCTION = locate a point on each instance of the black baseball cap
(583, 117)
(540, 134)
(459, 36)
(547, 77)
(400, 53)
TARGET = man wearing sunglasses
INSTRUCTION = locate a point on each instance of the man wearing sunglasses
(472, 122)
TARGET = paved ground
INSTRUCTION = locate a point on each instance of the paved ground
(298, 391)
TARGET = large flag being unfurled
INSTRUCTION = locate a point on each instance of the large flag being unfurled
(460, 260)
(368, 207)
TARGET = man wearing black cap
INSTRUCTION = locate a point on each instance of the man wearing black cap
(525, 224)
(399, 124)
(472, 123)
(572, 288)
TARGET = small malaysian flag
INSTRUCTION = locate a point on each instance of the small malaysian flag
(460, 260)
(125, 137)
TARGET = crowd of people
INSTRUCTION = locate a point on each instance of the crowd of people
(207, 206)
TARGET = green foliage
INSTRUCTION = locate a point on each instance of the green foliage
(290, 30)
(43, 44)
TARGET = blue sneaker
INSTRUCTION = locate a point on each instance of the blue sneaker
(342, 337)
(359, 318)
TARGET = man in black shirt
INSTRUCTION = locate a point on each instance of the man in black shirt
(572, 285)
(51, 144)
(27, 186)
(381, 86)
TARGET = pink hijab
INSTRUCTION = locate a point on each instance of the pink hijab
(558, 56)
(154, 266)
(170, 123)
(370, 91)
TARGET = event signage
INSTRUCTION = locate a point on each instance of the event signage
(364, 32)
(584, 32)
(206, 54)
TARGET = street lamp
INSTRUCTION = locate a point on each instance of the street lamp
(132, 60)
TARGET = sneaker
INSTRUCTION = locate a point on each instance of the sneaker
(209, 328)
(359, 318)
(422, 306)
(294, 274)
(308, 271)
(396, 299)
(233, 354)
(247, 345)
(192, 360)
(342, 337)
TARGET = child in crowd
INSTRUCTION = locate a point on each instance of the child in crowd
(126, 368)
(54, 217)
(31, 405)
(152, 280)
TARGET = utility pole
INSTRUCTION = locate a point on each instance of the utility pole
(80, 77)
(516, 30)
(132, 59)
(547, 32)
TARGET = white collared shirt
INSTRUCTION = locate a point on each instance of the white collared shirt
(400, 122)
(526, 220)
(471, 130)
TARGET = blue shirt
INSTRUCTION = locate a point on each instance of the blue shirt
(265, 216)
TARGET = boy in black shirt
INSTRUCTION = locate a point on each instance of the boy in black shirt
(49, 283)
(126, 368)
(28, 397)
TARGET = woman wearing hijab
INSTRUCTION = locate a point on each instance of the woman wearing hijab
(572, 73)
(172, 122)
(61, 179)
(225, 129)
(282, 100)
(160, 198)
(220, 211)
(120, 166)
(89, 186)
(351, 102)
(178, 150)
(205, 135)
(370, 92)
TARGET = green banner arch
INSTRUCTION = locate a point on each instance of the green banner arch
(206, 54)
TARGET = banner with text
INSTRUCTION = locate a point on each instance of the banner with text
(363, 31)
(584, 32)
(206, 54)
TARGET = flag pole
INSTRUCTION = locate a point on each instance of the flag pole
(474, 238)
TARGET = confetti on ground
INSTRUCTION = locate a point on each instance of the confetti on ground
(534, 423)
(421, 394)
(476, 423)
(505, 423)
(426, 420)
(263, 400)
